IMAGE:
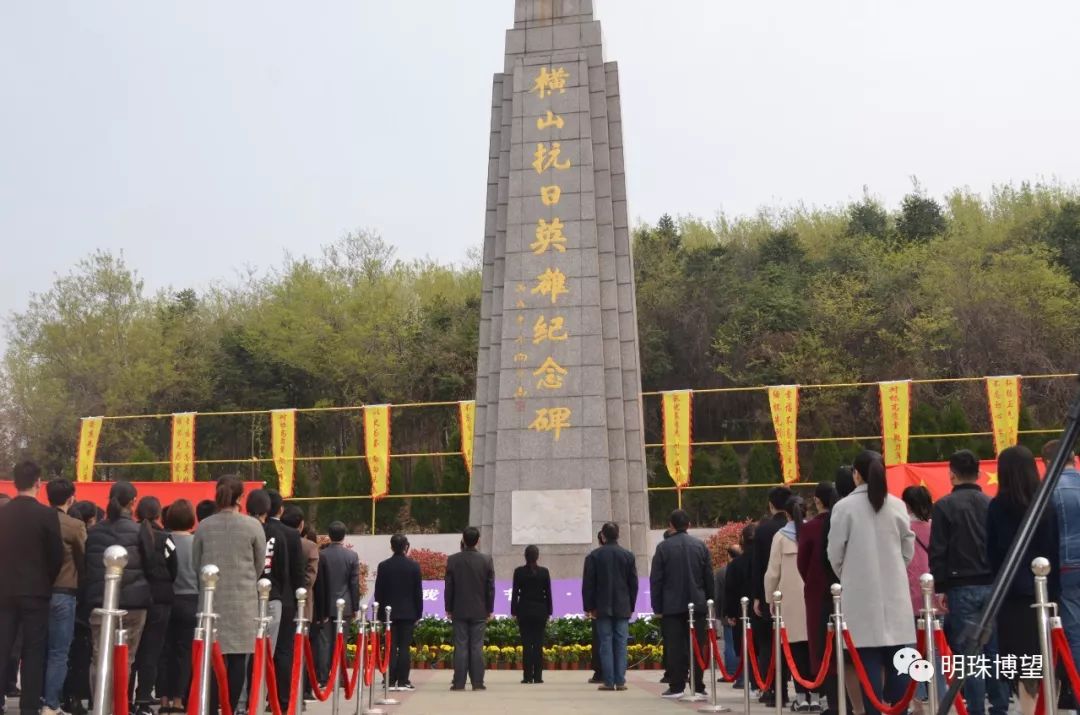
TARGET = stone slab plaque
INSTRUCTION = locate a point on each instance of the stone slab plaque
(551, 516)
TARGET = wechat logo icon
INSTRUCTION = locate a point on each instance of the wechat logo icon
(910, 662)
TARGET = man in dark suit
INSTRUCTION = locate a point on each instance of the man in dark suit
(469, 594)
(31, 554)
(608, 592)
(398, 585)
(681, 574)
(339, 577)
(283, 651)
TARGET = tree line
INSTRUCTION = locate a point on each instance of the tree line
(966, 286)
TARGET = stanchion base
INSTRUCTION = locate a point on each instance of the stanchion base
(388, 701)
(374, 711)
(714, 709)
(695, 698)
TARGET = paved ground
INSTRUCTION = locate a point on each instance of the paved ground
(563, 692)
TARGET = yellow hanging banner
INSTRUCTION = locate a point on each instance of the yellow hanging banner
(89, 431)
(283, 443)
(895, 420)
(1003, 394)
(183, 447)
(784, 404)
(467, 411)
(377, 448)
(677, 434)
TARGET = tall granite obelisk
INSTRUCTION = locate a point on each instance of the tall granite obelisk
(559, 441)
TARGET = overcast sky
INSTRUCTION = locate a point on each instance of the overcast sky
(199, 137)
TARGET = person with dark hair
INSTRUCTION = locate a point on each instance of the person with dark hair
(339, 577)
(31, 558)
(738, 585)
(293, 518)
(962, 572)
(870, 545)
(1018, 480)
(782, 574)
(531, 605)
(920, 507)
(469, 597)
(681, 574)
(174, 673)
(204, 509)
(597, 677)
(160, 573)
(398, 585)
(77, 683)
(236, 544)
(136, 596)
(61, 495)
(1066, 503)
(762, 623)
(283, 652)
(276, 563)
(609, 593)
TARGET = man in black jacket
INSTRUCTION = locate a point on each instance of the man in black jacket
(681, 574)
(609, 592)
(398, 585)
(276, 563)
(31, 554)
(962, 571)
(760, 619)
(469, 596)
(339, 577)
(296, 578)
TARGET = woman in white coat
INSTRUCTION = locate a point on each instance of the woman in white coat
(783, 575)
(870, 545)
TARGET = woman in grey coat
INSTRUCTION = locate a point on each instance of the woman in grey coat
(235, 543)
(870, 545)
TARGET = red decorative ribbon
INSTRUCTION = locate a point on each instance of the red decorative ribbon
(385, 662)
(762, 683)
(258, 668)
(720, 659)
(196, 677)
(1064, 653)
(823, 671)
(945, 652)
(120, 680)
(868, 691)
(323, 695)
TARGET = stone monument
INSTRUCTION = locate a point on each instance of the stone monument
(559, 444)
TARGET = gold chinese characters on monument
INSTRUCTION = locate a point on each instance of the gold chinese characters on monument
(550, 284)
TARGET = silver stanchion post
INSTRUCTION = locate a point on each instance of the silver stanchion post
(928, 623)
(778, 652)
(209, 578)
(386, 699)
(1041, 568)
(339, 630)
(691, 696)
(371, 709)
(301, 623)
(838, 648)
(263, 625)
(115, 560)
(713, 706)
(358, 692)
(747, 667)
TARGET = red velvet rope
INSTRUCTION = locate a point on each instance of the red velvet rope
(372, 656)
(762, 683)
(295, 693)
(385, 662)
(196, 677)
(823, 671)
(1065, 654)
(120, 680)
(323, 695)
(702, 663)
(868, 691)
(720, 660)
(271, 679)
(350, 683)
(222, 676)
(258, 668)
(945, 652)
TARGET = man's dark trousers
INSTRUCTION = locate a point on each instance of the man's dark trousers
(595, 659)
(283, 652)
(33, 615)
(469, 651)
(401, 635)
(676, 632)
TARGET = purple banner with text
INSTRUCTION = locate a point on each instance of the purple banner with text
(565, 598)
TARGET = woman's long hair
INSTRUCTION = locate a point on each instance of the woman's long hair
(1018, 478)
(795, 510)
(229, 490)
(826, 494)
(121, 495)
(919, 501)
(871, 468)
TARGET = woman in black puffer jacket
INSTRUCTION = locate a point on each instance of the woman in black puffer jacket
(118, 528)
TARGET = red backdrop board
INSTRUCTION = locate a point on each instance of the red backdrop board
(167, 492)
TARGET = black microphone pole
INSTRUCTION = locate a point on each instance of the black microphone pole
(985, 628)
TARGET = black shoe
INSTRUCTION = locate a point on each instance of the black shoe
(526, 681)
(765, 695)
(538, 682)
(665, 680)
(479, 687)
(455, 687)
(595, 680)
(672, 694)
(607, 688)
(406, 687)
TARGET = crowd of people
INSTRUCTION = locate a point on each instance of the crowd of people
(853, 533)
